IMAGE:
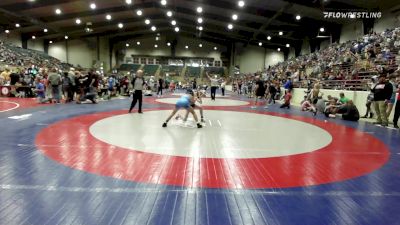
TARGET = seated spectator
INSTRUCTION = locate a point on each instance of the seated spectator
(343, 99)
(40, 91)
(350, 112)
(288, 97)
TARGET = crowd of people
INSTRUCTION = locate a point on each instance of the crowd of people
(34, 74)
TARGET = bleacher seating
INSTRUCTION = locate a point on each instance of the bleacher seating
(19, 57)
(192, 71)
(150, 70)
(215, 70)
(172, 70)
(129, 67)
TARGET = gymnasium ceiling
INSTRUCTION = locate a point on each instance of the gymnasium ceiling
(257, 20)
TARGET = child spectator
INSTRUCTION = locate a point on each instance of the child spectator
(288, 98)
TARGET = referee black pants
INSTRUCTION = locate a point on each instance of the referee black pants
(396, 113)
(137, 95)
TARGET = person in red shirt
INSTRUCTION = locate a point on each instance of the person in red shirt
(288, 97)
(397, 107)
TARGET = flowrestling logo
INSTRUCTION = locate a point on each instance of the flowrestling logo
(352, 15)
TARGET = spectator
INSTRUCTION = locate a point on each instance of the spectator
(67, 88)
(40, 91)
(138, 84)
(382, 94)
(350, 111)
(343, 99)
(55, 82)
(392, 81)
(397, 107)
(288, 98)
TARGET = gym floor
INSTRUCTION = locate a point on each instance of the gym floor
(96, 164)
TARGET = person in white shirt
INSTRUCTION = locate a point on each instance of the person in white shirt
(223, 84)
(137, 83)
(214, 85)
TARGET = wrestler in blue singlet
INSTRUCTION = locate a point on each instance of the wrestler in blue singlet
(183, 102)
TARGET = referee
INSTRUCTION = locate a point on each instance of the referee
(137, 83)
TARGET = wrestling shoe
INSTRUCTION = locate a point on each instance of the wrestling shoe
(199, 125)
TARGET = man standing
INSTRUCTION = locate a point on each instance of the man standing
(223, 84)
(382, 94)
(397, 107)
(259, 91)
(55, 82)
(160, 87)
(137, 83)
(214, 86)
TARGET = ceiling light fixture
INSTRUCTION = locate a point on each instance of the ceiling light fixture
(169, 13)
(169, 44)
(50, 42)
(93, 6)
(287, 45)
(234, 17)
(45, 30)
(298, 17)
(199, 9)
(155, 46)
(120, 25)
(17, 25)
(279, 49)
(230, 26)
(241, 3)
(173, 22)
(78, 21)
(58, 11)
(200, 20)
(200, 45)
(280, 33)
(153, 28)
(259, 44)
(177, 29)
(163, 2)
(322, 29)
(215, 48)
(269, 38)
(128, 2)
(147, 21)
(200, 28)
(7, 31)
(66, 37)
(138, 43)
(139, 12)
(108, 17)
(186, 47)
(127, 45)
(33, 37)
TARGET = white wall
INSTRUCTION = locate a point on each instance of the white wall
(351, 31)
(273, 57)
(292, 53)
(105, 53)
(250, 59)
(388, 20)
(13, 38)
(79, 53)
(36, 45)
(58, 51)
(324, 44)
(305, 47)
